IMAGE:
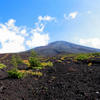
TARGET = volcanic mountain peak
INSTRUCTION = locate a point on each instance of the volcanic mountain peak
(63, 47)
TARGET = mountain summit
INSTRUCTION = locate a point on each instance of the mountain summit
(63, 47)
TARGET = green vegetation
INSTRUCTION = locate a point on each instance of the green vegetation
(86, 56)
(34, 61)
(89, 64)
(2, 66)
(33, 54)
(36, 73)
(62, 58)
(67, 55)
(26, 62)
(13, 61)
(96, 54)
(19, 59)
(16, 59)
(15, 73)
(49, 63)
(82, 57)
(60, 61)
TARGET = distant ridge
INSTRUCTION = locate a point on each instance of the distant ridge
(63, 47)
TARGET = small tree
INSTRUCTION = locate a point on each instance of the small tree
(19, 59)
(13, 61)
(14, 73)
(33, 60)
(33, 53)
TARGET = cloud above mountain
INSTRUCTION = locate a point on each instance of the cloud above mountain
(90, 42)
(16, 38)
(39, 38)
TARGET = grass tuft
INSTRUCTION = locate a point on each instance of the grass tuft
(2, 66)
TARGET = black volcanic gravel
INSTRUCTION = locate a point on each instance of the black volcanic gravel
(67, 80)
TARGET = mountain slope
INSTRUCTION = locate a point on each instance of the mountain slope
(62, 47)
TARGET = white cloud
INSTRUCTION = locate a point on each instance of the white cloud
(10, 41)
(92, 42)
(24, 32)
(71, 15)
(15, 38)
(46, 18)
(39, 38)
(11, 22)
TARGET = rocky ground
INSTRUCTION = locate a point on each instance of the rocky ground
(66, 80)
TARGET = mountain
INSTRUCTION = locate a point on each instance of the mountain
(63, 47)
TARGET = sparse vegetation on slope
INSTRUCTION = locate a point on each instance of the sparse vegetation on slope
(2, 66)
(15, 73)
(67, 78)
(44, 64)
(34, 62)
(82, 57)
(13, 61)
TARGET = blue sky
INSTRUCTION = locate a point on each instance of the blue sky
(26, 24)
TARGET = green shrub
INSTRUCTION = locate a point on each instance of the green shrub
(41, 67)
(19, 59)
(37, 73)
(82, 57)
(96, 54)
(16, 59)
(14, 73)
(44, 64)
(2, 66)
(34, 62)
(13, 61)
(60, 61)
(33, 53)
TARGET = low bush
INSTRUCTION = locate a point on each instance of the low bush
(82, 57)
(2, 66)
(62, 58)
(41, 67)
(44, 64)
(13, 61)
(16, 59)
(36, 73)
(34, 62)
(96, 54)
(26, 62)
(33, 54)
(90, 64)
(19, 59)
(14, 73)
(60, 61)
